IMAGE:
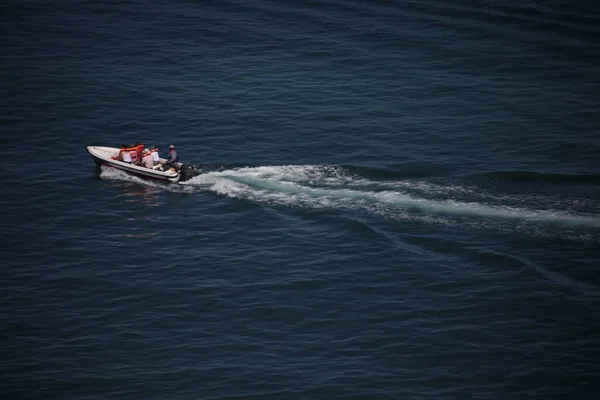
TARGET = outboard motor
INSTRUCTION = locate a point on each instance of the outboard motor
(187, 172)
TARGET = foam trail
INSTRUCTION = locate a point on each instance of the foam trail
(335, 188)
(266, 184)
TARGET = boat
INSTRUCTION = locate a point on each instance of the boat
(103, 156)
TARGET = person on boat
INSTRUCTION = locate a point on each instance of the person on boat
(147, 159)
(155, 156)
(133, 153)
(173, 159)
(139, 147)
(123, 154)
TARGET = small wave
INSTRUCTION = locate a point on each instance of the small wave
(329, 171)
(402, 172)
(531, 176)
(308, 174)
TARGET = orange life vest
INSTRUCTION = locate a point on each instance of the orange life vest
(139, 148)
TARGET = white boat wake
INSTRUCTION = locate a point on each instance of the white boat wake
(337, 188)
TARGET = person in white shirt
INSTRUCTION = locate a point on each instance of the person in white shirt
(123, 154)
(147, 159)
(155, 156)
(126, 157)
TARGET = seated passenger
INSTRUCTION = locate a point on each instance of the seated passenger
(133, 153)
(147, 159)
(139, 147)
(119, 155)
(155, 156)
(125, 155)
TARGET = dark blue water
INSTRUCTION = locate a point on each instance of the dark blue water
(396, 200)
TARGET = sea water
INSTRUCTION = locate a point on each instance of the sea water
(393, 200)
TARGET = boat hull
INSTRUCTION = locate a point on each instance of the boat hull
(102, 156)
